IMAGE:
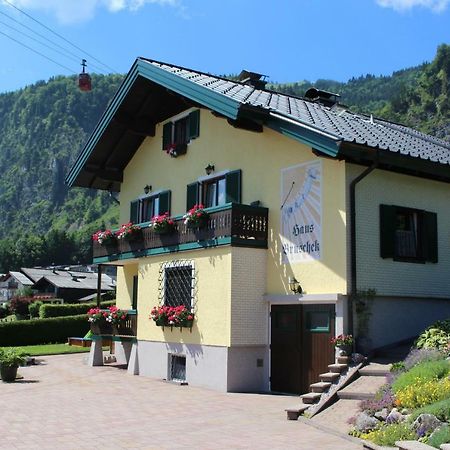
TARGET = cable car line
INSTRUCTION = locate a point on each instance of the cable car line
(75, 56)
(39, 53)
(57, 34)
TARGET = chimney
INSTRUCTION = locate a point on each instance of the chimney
(253, 79)
(323, 97)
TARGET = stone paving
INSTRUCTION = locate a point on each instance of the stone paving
(64, 404)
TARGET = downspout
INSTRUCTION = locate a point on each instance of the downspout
(353, 274)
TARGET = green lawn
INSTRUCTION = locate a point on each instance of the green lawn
(52, 349)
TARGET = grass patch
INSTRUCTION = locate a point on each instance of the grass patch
(52, 349)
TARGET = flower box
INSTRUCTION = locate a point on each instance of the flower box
(196, 217)
(162, 224)
(105, 238)
(101, 328)
(172, 316)
(129, 232)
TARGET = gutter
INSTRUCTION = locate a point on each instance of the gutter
(353, 271)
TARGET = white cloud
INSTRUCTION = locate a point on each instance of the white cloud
(436, 6)
(73, 11)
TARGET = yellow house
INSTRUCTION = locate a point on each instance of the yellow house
(308, 207)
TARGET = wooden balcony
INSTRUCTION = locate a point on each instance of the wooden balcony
(126, 330)
(233, 224)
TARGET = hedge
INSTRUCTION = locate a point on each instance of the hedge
(42, 331)
(69, 309)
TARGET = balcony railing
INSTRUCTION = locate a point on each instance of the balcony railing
(127, 329)
(235, 224)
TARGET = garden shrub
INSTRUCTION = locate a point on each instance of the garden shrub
(435, 336)
(43, 331)
(417, 356)
(4, 311)
(33, 309)
(19, 306)
(384, 398)
(421, 393)
(440, 436)
(439, 409)
(388, 434)
(426, 371)
(69, 309)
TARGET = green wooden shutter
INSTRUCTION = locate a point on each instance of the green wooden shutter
(387, 231)
(429, 237)
(233, 186)
(192, 195)
(164, 202)
(135, 292)
(167, 135)
(194, 124)
(134, 205)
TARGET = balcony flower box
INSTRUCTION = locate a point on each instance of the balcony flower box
(105, 238)
(173, 316)
(162, 224)
(196, 217)
(129, 232)
(98, 322)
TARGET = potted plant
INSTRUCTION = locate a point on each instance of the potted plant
(344, 343)
(129, 232)
(118, 318)
(10, 360)
(178, 316)
(97, 319)
(162, 224)
(196, 217)
(104, 237)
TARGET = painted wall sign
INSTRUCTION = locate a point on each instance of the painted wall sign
(301, 212)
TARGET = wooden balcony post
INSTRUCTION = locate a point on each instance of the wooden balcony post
(99, 284)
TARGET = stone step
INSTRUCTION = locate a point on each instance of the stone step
(371, 446)
(329, 376)
(362, 388)
(412, 445)
(321, 386)
(445, 447)
(343, 359)
(310, 397)
(337, 368)
(375, 370)
(296, 411)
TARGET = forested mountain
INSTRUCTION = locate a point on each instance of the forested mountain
(44, 126)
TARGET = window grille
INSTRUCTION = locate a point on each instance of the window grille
(177, 284)
(177, 368)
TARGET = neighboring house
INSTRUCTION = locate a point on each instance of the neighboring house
(68, 285)
(11, 283)
(298, 189)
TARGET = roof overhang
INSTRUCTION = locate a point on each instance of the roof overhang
(150, 94)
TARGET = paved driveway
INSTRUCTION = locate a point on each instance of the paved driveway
(64, 404)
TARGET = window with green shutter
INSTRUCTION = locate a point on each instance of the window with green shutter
(177, 134)
(144, 208)
(408, 234)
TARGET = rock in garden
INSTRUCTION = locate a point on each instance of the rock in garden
(426, 423)
(364, 422)
(382, 415)
(394, 416)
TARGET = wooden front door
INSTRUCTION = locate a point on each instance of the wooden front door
(300, 346)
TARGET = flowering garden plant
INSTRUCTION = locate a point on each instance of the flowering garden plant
(128, 231)
(104, 237)
(172, 315)
(343, 340)
(116, 316)
(196, 216)
(162, 224)
(96, 315)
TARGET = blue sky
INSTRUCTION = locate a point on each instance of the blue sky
(289, 40)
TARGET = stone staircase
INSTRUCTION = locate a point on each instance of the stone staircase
(317, 390)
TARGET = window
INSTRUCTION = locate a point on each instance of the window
(178, 133)
(215, 191)
(177, 368)
(408, 234)
(177, 284)
(144, 208)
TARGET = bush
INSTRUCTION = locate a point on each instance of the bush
(71, 309)
(19, 306)
(426, 371)
(388, 434)
(435, 336)
(4, 311)
(33, 308)
(417, 356)
(440, 436)
(384, 398)
(422, 393)
(43, 331)
(439, 409)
